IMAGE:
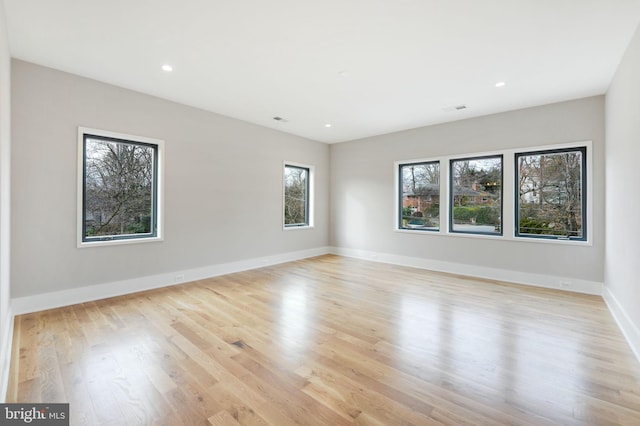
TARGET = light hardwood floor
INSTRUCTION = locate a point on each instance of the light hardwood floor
(331, 341)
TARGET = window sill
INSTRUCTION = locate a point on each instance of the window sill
(443, 233)
(293, 228)
(102, 243)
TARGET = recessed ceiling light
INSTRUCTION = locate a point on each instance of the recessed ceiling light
(167, 68)
(500, 84)
(327, 125)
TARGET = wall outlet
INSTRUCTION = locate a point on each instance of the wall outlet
(178, 278)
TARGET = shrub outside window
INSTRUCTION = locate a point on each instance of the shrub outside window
(551, 194)
(119, 187)
(419, 191)
(296, 196)
(476, 195)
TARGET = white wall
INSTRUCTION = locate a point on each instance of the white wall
(363, 197)
(5, 198)
(622, 261)
(223, 185)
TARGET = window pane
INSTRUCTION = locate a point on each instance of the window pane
(420, 196)
(119, 186)
(296, 196)
(550, 194)
(476, 205)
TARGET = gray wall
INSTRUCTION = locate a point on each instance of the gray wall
(363, 197)
(5, 195)
(218, 168)
(223, 192)
(623, 152)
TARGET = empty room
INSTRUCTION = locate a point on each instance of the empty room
(319, 213)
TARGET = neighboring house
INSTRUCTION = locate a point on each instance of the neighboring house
(424, 198)
(473, 196)
(428, 196)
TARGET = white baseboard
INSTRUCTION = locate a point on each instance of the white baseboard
(56, 299)
(39, 302)
(630, 331)
(516, 277)
(5, 355)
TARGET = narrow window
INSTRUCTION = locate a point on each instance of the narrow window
(296, 196)
(550, 194)
(476, 195)
(120, 187)
(419, 203)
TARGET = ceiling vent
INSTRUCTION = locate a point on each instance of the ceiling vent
(454, 108)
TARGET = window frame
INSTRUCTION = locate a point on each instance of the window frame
(451, 194)
(85, 133)
(508, 191)
(584, 187)
(309, 201)
(400, 194)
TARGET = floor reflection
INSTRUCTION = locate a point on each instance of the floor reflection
(293, 321)
(528, 359)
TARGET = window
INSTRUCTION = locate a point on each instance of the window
(419, 190)
(118, 187)
(476, 195)
(547, 191)
(297, 196)
(551, 194)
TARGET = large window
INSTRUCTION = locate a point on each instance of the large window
(118, 188)
(476, 195)
(419, 196)
(297, 196)
(546, 189)
(551, 194)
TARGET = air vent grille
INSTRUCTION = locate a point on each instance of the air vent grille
(452, 108)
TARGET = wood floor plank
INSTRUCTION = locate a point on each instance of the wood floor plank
(223, 419)
(235, 406)
(331, 341)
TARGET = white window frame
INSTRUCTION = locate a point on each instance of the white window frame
(508, 194)
(82, 131)
(310, 196)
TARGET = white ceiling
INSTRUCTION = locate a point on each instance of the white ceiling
(368, 67)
